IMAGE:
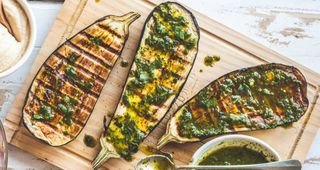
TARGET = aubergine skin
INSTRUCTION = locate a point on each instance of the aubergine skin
(163, 61)
(255, 98)
(67, 86)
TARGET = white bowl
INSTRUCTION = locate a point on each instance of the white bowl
(235, 140)
(30, 45)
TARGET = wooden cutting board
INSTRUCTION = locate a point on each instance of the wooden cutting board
(236, 51)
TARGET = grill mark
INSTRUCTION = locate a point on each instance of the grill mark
(39, 94)
(151, 118)
(96, 77)
(223, 109)
(164, 70)
(65, 51)
(81, 110)
(138, 93)
(221, 106)
(91, 47)
(107, 28)
(65, 79)
(87, 54)
(60, 64)
(103, 45)
(47, 86)
(180, 59)
(56, 111)
(85, 95)
(250, 116)
(239, 106)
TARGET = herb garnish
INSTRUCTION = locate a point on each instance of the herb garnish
(44, 113)
(211, 60)
(124, 63)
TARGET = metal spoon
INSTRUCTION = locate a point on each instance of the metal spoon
(160, 162)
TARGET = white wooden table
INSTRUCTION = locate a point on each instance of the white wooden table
(290, 27)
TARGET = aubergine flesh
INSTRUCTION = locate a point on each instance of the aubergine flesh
(255, 98)
(64, 92)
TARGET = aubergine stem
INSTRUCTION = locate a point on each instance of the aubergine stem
(105, 153)
(127, 19)
(172, 135)
(166, 138)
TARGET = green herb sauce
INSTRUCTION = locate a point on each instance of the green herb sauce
(71, 73)
(124, 63)
(153, 78)
(164, 37)
(130, 138)
(73, 57)
(73, 76)
(96, 41)
(44, 113)
(233, 156)
(89, 141)
(249, 91)
(211, 60)
(66, 106)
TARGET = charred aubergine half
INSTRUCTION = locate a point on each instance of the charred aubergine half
(261, 97)
(165, 56)
(64, 92)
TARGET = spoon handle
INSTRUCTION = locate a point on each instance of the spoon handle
(280, 165)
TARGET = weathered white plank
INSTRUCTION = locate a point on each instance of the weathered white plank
(290, 27)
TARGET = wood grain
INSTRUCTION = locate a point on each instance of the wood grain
(236, 51)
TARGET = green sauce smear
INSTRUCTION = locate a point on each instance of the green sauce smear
(211, 60)
(124, 63)
(89, 141)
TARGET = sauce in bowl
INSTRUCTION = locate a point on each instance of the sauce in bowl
(234, 150)
(233, 155)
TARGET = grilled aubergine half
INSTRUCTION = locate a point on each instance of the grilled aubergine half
(163, 61)
(261, 97)
(64, 92)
